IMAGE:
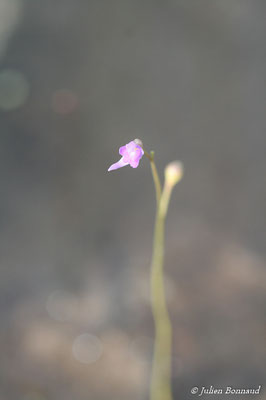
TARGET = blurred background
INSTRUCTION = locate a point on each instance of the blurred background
(79, 79)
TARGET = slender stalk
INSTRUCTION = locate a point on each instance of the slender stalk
(156, 179)
(160, 388)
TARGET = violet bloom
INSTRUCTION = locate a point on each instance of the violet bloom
(131, 154)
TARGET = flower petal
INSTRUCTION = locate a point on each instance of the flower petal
(122, 150)
(131, 146)
(135, 163)
(135, 157)
(119, 164)
(138, 153)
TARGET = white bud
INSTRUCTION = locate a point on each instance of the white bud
(173, 173)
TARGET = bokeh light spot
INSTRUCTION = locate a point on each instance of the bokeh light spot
(14, 89)
(87, 348)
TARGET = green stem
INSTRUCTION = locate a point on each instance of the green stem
(160, 388)
(156, 179)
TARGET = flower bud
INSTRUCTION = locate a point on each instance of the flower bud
(173, 173)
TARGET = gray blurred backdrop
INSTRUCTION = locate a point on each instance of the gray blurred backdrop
(79, 79)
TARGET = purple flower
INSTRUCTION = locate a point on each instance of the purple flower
(131, 154)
